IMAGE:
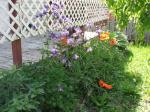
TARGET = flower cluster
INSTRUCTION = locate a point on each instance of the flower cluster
(107, 36)
(67, 36)
(114, 39)
(43, 13)
(62, 32)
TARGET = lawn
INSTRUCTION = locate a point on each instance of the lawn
(140, 67)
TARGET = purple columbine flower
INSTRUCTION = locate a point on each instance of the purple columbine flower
(55, 36)
(51, 34)
(75, 57)
(45, 12)
(62, 18)
(46, 7)
(54, 52)
(41, 14)
(58, 34)
(89, 49)
(64, 33)
(89, 24)
(62, 5)
(63, 59)
(38, 15)
(68, 20)
(55, 14)
(55, 6)
(78, 30)
(99, 31)
(70, 41)
(68, 27)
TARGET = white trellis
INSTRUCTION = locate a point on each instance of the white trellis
(16, 17)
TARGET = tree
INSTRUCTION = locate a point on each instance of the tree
(126, 10)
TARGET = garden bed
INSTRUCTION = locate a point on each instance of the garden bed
(130, 81)
(51, 85)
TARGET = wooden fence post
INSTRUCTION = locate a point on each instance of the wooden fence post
(17, 52)
(16, 45)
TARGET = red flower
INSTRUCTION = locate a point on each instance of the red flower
(104, 85)
(113, 42)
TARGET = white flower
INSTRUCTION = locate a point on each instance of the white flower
(75, 56)
(89, 49)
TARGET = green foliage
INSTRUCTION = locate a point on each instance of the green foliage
(121, 38)
(50, 85)
(126, 10)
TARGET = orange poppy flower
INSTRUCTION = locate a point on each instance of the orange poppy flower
(104, 36)
(64, 40)
(113, 42)
(104, 85)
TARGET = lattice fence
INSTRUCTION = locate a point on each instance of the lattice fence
(16, 16)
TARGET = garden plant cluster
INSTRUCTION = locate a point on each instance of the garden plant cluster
(73, 75)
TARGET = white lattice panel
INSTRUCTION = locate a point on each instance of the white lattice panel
(19, 26)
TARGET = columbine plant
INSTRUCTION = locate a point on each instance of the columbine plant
(66, 37)
(62, 33)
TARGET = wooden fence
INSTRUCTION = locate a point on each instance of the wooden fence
(130, 31)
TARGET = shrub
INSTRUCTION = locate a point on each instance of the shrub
(66, 79)
(62, 86)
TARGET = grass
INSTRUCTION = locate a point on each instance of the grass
(140, 67)
(139, 70)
